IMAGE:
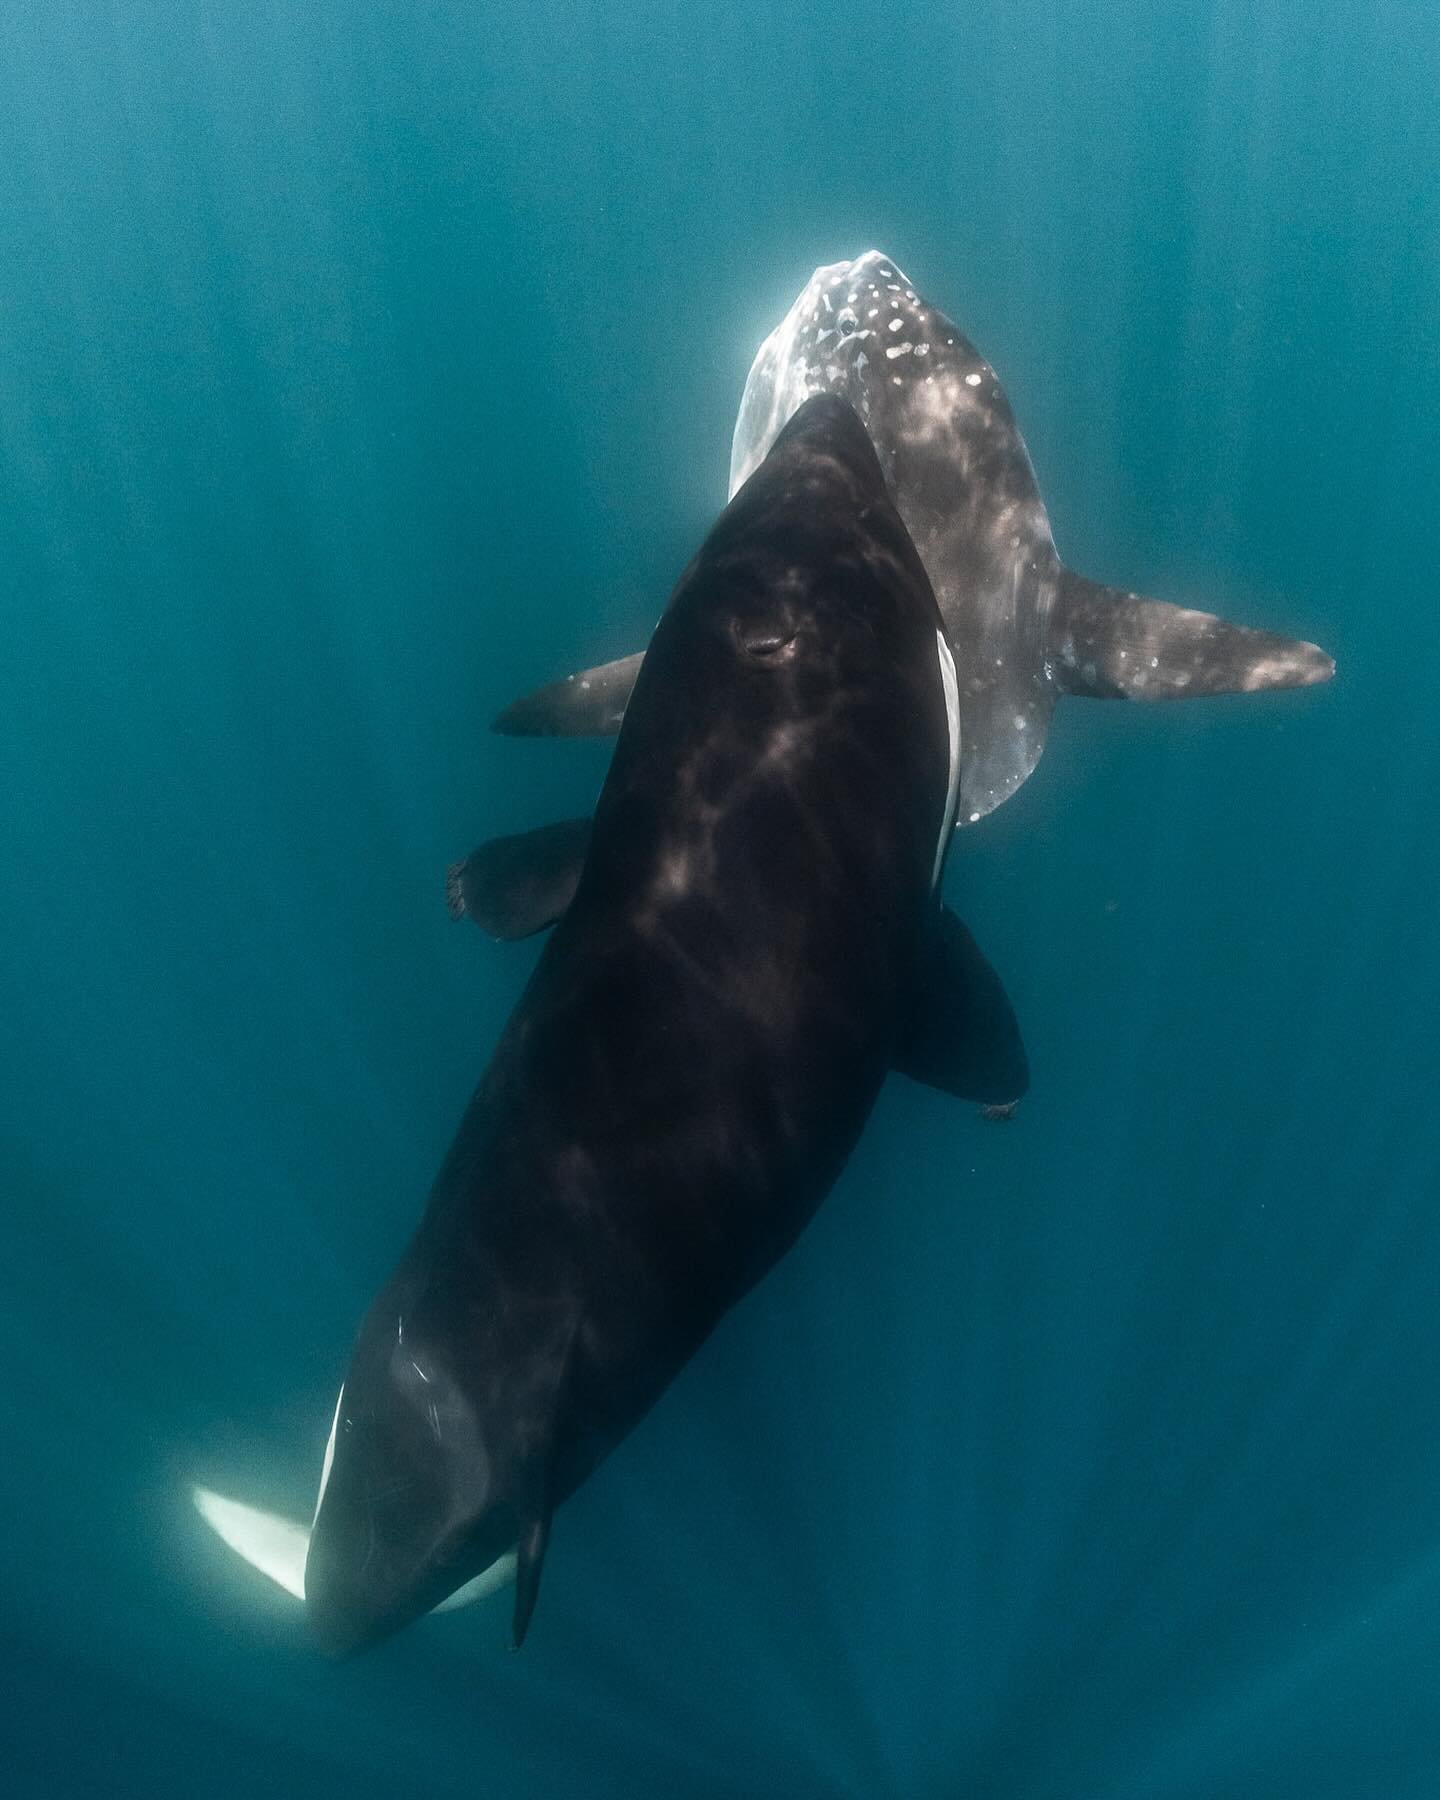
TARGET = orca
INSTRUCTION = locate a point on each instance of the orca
(753, 937)
(1024, 629)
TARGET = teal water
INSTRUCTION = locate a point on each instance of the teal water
(363, 365)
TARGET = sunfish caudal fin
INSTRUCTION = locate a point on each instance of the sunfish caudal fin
(277, 1547)
(1113, 645)
(589, 704)
(963, 1036)
(513, 886)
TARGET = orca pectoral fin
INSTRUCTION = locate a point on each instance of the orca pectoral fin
(963, 1037)
(513, 886)
(1113, 645)
(589, 704)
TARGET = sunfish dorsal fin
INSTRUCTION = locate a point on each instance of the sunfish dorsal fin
(588, 704)
(1114, 645)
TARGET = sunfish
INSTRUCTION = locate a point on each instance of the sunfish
(1023, 628)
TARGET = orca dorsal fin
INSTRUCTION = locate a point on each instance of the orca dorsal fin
(590, 703)
(1113, 645)
(963, 1037)
(535, 1499)
(529, 1560)
(515, 886)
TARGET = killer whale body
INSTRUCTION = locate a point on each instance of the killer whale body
(756, 937)
(1024, 629)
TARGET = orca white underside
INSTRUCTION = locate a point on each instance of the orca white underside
(277, 1547)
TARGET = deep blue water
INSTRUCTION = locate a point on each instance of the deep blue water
(363, 365)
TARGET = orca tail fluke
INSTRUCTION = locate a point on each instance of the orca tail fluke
(590, 703)
(1114, 645)
(276, 1546)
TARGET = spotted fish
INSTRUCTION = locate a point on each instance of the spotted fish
(1023, 628)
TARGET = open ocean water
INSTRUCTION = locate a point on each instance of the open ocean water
(363, 365)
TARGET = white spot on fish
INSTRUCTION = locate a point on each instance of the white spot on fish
(898, 382)
(972, 380)
(897, 325)
(899, 350)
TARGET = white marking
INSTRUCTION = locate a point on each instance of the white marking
(278, 1547)
(329, 1461)
(899, 350)
(898, 382)
(972, 380)
(274, 1546)
(952, 721)
(897, 325)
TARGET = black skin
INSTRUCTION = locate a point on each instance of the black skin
(694, 1056)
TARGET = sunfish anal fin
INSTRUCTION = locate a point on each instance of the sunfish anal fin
(1113, 645)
